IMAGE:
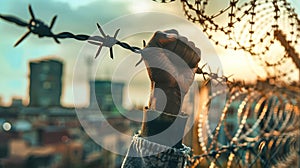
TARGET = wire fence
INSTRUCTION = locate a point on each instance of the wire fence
(258, 127)
(252, 26)
(259, 124)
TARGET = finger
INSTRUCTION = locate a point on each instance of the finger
(177, 44)
(156, 58)
(195, 70)
(161, 39)
(188, 51)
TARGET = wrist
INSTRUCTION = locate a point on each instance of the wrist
(163, 128)
(166, 99)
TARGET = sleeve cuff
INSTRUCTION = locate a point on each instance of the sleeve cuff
(163, 128)
(144, 153)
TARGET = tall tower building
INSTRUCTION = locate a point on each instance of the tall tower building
(45, 82)
(107, 95)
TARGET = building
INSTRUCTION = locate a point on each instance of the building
(17, 102)
(107, 95)
(45, 82)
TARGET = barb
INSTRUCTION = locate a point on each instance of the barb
(34, 26)
(244, 18)
(107, 41)
(39, 28)
(259, 124)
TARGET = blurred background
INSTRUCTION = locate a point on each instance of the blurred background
(45, 132)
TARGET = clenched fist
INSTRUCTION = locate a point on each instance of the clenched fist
(171, 62)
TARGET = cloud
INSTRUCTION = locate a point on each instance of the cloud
(77, 16)
(78, 19)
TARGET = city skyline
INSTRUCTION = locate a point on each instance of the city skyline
(14, 61)
(78, 17)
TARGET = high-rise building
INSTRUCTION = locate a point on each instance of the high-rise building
(45, 82)
(17, 102)
(107, 95)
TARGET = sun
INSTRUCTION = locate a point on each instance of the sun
(140, 6)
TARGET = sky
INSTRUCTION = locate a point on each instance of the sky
(80, 16)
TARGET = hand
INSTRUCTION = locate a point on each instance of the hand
(171, 62)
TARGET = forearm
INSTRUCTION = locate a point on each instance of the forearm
(166, 99)
(163, 122)
(159, 144)
(163, 128)
(171, 62)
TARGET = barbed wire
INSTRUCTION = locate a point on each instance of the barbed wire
(260, 124)
(235, 26)
(39, 28)
(256, 121)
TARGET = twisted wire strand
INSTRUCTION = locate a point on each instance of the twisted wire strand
(240, 30)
